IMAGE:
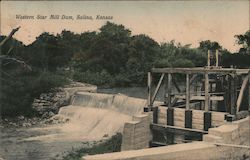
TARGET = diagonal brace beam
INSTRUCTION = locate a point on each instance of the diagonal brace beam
(157, 87)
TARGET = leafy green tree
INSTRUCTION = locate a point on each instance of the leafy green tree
(48, 54)
(244, 40)
(209, 45)
(143, 52)
(107, 50)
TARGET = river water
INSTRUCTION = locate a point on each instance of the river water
(90, 118)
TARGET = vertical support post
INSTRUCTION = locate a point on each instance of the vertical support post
(188, 118)
(170, 116)
(187, 92)
(208, 58)
(165, 91)
(217, 58)
(207, 120)
(206, 92)
(149, 102)
(155, 115)
(233, 95)
(169, 89)
(249, 91)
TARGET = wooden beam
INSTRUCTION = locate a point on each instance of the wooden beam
(155, 114)
(149, 102)
(201, 98)
(201, 70)
(249, 91)
(187, 92)
(233, 94)
(230, 145)
(217, 58)
(184, 90)
(207, 120)
(175, 84)
(206, 92)
(208, 58)
(157, 87)
(175, 129)
(165, 91)
(193, 79)
(169, 89)
(242, 89)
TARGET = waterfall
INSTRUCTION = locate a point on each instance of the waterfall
(119, 102)
(93, 116)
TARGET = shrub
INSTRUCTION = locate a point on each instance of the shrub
(19, 90)
(111, 145)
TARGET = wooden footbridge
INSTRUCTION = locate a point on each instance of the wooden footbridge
(212, 96)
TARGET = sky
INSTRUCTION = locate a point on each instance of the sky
(187, 22)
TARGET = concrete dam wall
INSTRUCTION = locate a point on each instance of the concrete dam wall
(229, 142)
(94, 116)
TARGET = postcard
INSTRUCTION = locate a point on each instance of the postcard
(124, 79)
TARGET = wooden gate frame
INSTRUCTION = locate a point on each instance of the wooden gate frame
(235, 102)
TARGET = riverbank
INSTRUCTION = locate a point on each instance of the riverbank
(112, 144)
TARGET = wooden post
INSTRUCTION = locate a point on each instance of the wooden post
(233, 95)
(207, 120)
(188, 118)
(208, 58)
(165, 90)
(217, 58)
(170, 116)
(206, 92)
(249, 91)
(241, 94)
(155, 115)
(149, 90)
(157, 88)
(169, 89)
(187, 92)
(175, 84)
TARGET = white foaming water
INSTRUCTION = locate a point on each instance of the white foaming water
(120, 103)
(93, 116)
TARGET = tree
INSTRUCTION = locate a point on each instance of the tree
(244, 41)
(50, 51)
(209, 45)
(5, 52)
(143, 52)
(20, 85)
(107, 50)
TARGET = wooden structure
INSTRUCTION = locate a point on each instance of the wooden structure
(211, 89)
(217, 84)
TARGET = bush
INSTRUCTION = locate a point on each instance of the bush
(19, 90)
(112, 145)
(97, 78)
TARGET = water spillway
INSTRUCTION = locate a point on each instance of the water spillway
(118, 102)
(93, 116)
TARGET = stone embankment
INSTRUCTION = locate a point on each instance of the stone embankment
(48, 104)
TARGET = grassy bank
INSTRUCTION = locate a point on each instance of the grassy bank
(111, 145)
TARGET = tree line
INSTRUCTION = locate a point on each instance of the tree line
(109, 57)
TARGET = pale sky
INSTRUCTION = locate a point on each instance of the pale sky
(187, 22)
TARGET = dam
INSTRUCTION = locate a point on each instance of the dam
(207, 119)
(202, 114)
